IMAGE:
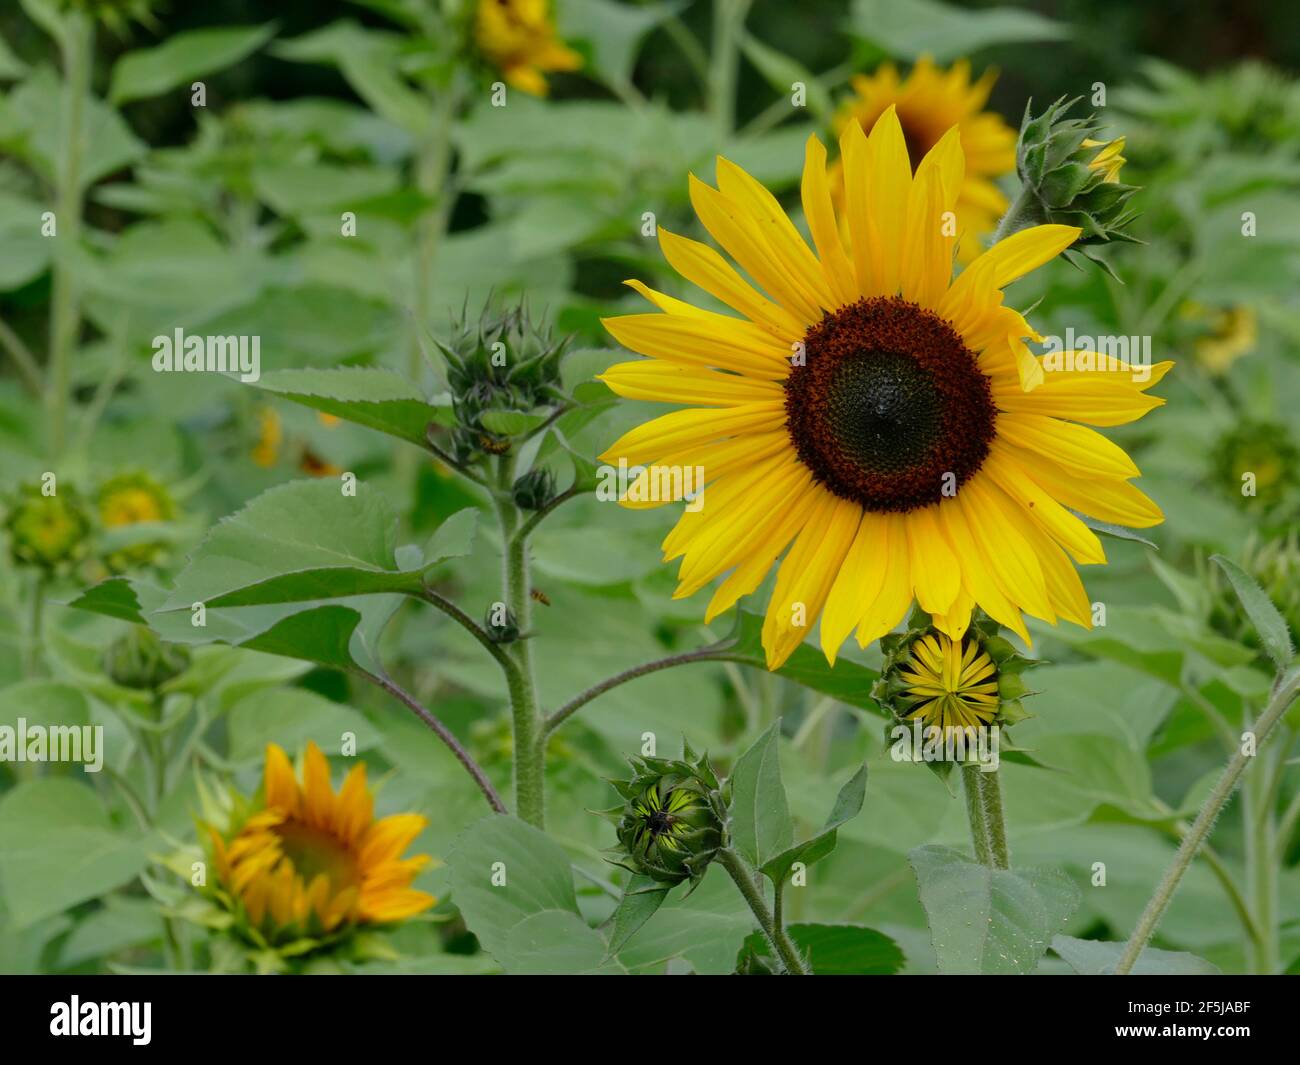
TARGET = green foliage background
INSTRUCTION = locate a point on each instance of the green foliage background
(225, 219)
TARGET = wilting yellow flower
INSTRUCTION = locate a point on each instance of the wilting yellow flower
(1109, 160)
(1230, 333)
(872, 414)
(950, 682)
(308, 862)
(518, 38)
(929, 102)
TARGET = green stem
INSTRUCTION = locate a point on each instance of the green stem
(1285, 689)
(987, 827)
(1019, 215)
(529, 730)
(773, 930)
(65, 313)
(728, 24)
(35, 634)
(1261, 874)
(155, 746)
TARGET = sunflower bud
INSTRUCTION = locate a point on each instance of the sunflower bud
(139, 659)
(1256, 462)
(47, 531)
(1070, 176)
(534, 489)
(973, 682)
(671, 826)
(499, 370)
(501, 624)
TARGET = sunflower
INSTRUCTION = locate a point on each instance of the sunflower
(518, 38)
(950, 683)
(928, 103)
(308, 862)
(886, 423)
(1109, 160)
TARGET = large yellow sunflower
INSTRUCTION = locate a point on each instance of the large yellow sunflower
(886, 423)
(310, 862)
(929, 102)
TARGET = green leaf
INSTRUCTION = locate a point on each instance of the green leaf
(454, 538)
(835, 949)
(182, 58)
(642, 897)
(614, 30)
(10, 65)
(760, 827)
(1267, 619)
(986, 920)
(1115, 532)
(378, 399)
(510, 422)
(909, 29)
(58, 848)
(297, 542)
(291, 717)
(514, 886)
(848, 804)
(1090, 957)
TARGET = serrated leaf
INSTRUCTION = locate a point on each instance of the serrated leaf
(760, 824)
(1267, 619)
(985, 920)
(848, 804)
(297, 542)
(376, 398)
(182, 58)
(641, 899)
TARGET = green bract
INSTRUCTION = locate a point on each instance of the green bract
(139, 659)
(47, 531)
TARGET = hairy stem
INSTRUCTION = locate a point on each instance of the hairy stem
(984, 806)
(443, 733)
(1019, 215)
(1285, 689)
(782, 948)
(529, 734)
(65, 314)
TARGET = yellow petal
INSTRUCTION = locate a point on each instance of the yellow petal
(695, 426)
(667, 382)
(857, 585)
(891, 603)
(1075, 447)
(716, 341)
(1027, 250)
(818, 210)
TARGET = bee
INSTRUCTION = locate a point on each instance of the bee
(540, 596)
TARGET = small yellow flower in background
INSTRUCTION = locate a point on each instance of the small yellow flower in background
(306, 862)
(1228, 334)
(928, 103)
(132, 498)
(1109, 160)
(879, 423)
(518, 38)
(266, 451)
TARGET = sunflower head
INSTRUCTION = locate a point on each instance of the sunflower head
(1070, 176)
(969, 682)
(499, 367)
(51, 532)
(671, 825)
(139, 659)
(518, 38)
(929, 102)
(1256, 462)
(301, 864)
(875, 427)
(127, 500)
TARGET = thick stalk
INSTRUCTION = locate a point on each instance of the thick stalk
(1019, 215)
(782, 947)
(65, 313)
(1285, 689)
(529, 731)
(1260, 826)
(988, 829)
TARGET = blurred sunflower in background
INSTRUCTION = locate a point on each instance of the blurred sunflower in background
(518, 38)
(929, 102)
(302, 862)
(884, 422)
(126, 501)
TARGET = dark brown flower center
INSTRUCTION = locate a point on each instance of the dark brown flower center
(889, 408)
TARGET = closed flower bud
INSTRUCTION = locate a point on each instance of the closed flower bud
(534, 489)
(139, 659)
(51, 532)
(671, 826)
